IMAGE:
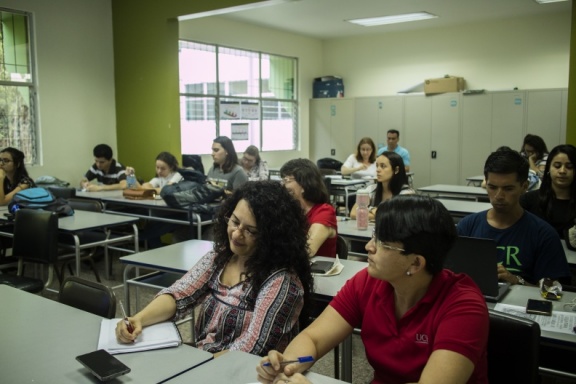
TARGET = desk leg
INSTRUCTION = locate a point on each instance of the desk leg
(77, 253)
(346, 374)
(127, 269)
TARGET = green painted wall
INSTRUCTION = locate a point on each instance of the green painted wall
(571, 118)
(146, 76)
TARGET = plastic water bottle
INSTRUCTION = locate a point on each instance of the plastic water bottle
(362, 200)
(131, 180)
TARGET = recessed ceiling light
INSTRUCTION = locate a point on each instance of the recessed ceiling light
(548, 1)
(373, 21)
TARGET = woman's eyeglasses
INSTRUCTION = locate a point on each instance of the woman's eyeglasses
(5, 161)
(286, 180)
(246, 231)
(386, 246)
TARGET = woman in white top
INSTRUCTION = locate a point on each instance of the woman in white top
(535, 151)
(166, 172)
(362, 163)
(255, 167)
(392, 181)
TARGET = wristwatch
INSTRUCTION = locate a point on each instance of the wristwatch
(521, 281)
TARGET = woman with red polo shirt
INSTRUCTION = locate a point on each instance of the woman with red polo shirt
(420, 322)
(303, 180)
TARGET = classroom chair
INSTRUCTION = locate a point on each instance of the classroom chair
(34, 242)
(513, 349)
(88, 296)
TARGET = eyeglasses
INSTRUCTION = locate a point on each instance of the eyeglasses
(386, 246)
(235, 225)
(286, 180)
(5, 161)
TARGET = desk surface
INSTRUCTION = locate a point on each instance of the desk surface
(41, 339)
(464, 207)
(235, 367)
(329, 286)
(454, 189)
(179, 257)
(86, 220)
(519, 295)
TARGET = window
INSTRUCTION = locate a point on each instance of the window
(17, 85)
(245, 95)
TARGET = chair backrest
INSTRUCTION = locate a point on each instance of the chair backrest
(341, 247)
(330, 163)
(85, 204)
(194, 161)
(64, 192)
(328, 171)
(88, 296)
(35, 236)
(513, 349)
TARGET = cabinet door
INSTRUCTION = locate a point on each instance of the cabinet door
(417, 137)
(476, 134)
(544, 116)
(445, 139)
(366, 119)
(507, 119)
(390, 116)
(331, 128)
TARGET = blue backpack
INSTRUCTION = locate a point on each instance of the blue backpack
(39, 198)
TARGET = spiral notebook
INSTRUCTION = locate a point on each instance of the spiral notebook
(157, 336)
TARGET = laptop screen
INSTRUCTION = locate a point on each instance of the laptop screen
(478, 259)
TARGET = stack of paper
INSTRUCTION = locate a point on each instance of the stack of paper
(161, 335)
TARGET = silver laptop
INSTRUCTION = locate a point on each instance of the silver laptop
(478, 259)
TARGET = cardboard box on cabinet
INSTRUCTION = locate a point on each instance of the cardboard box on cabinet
(444, 85)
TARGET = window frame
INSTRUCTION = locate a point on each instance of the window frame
(219, 92)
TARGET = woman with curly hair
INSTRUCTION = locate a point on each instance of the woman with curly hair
(13, 174)
(392, 181)
(555, 201)
(303, 180)
(254, 287)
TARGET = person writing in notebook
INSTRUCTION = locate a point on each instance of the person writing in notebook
(253, 288)
(529, 249)
(420, 322)
(110, 174)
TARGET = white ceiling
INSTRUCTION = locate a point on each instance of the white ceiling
(324, 19)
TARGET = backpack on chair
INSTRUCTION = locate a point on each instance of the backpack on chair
(39, 198)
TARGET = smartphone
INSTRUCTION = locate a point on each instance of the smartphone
(103, 365)
(539, 307)
(321, 266)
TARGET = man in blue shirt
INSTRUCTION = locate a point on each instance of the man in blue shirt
(529, 249)
(392, 140)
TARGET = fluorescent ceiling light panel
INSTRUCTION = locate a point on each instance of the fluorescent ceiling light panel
(548, 1)
(373, 21)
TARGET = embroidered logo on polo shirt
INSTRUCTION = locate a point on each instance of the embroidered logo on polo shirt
(421, 338)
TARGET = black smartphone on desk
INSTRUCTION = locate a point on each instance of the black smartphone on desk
(103, 365)
(539, 307)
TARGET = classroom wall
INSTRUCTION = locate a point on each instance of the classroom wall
(571, 118)
(146, 76)
(76, 105)
(527, 53)
(218, 30)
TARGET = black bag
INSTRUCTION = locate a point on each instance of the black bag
(329, 163)
(39, 198)
(190, 194)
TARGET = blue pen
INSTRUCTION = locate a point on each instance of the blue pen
(303, 359)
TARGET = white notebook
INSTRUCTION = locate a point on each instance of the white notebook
(161, 335)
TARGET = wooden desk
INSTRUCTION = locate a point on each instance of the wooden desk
(235, 367)
(458, 191)
(41, 339)
(156, 209)
(175, 259)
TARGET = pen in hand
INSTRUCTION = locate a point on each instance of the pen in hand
(303, 359)
(128, 324)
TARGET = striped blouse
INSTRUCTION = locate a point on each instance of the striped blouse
(238, 318)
